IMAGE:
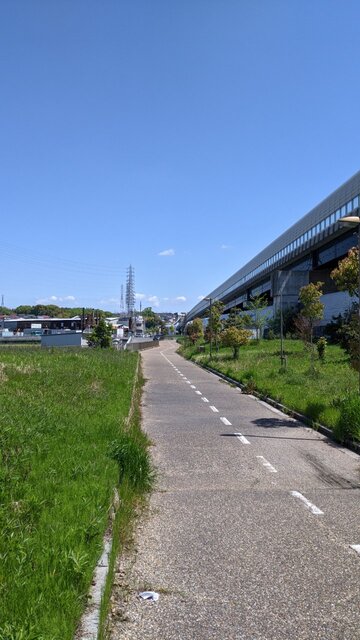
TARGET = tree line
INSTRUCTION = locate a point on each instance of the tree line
(52, 310)
(241, 325)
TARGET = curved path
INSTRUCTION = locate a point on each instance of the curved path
(254, 530)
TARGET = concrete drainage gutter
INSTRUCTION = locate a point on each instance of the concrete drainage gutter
(89, 625)
(88, 628)
(293, 414)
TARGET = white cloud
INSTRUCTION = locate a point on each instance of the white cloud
(181, 299)
(140, 296)
(53, 299)
(225, 246)
(201, 298)
(154, 300)
(167, 252)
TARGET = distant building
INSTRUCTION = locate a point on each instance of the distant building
(40, 324)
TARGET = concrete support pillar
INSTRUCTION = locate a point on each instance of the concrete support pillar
(285, 287)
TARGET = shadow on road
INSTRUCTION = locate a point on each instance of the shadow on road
(271, 423)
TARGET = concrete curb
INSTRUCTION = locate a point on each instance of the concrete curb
(353, 446)
(88, 628)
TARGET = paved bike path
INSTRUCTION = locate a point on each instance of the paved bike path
(252, 531)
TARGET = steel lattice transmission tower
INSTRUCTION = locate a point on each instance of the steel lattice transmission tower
(122, 306)
(130, 291)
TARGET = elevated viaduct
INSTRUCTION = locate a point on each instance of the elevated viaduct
(306, 252)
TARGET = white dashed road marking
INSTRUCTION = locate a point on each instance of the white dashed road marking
(315, 510)
(193, 386)
(356, 548)
(225, 421)
(267, 464)
(204, 399)
(241, 438)
(198, 392)
(214, 409)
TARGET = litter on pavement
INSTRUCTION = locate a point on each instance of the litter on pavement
(149, 595)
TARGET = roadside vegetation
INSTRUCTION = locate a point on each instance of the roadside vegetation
(68, 437)
(312, 375)
(316, 391)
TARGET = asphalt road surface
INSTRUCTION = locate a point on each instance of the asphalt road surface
(254, 529)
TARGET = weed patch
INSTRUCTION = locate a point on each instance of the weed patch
(59, 412)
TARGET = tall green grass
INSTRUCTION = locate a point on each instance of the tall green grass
(60, 411)
(317, 393)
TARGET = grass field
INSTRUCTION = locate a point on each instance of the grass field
(317, 394)
(60, 411)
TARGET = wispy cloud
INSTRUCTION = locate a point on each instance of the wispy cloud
(225, 246)
(181, 299)
(154, 300)
(55, 299)
(167, 252)
(201, 298)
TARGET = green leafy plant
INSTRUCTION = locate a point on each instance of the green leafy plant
(348, 424)
(235, 338)
(258, 317)
(101, 335)
(312, 311)
(321, 348)
(195, 330)
(346, 274)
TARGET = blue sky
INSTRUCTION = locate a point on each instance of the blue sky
(178, 136)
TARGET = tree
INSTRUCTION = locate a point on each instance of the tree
(151, 318)
(195, 330)
(256, 305)
(24, 310)
(346, 277)
(302, 328)
(235, 338)
(101, 335)
(5, 311)
(235, 319)
(153, 322)
(215, 323)
(312, 309)
(346, 274)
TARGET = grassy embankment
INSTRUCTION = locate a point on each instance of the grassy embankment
(316, 394)
(61, 411)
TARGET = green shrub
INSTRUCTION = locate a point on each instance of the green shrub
(348, 424)
(134, 462)
(321, 348)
